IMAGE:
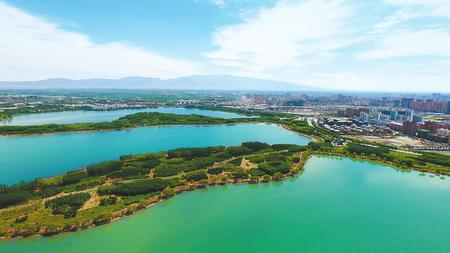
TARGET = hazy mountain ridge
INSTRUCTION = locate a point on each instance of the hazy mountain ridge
(195, 82)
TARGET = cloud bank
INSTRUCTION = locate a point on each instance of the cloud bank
(33, 48)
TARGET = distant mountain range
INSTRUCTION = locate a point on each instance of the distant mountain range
(196, 82)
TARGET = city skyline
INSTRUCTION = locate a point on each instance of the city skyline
(391, 45)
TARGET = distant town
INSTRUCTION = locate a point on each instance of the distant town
(413, 121)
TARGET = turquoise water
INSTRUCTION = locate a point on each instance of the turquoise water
(336, 205)
(28, 157)
(100, 116)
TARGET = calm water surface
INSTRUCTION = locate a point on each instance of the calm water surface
(336, 205)
(28, 157)
(68, 117)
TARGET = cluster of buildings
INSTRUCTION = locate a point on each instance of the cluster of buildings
(371, 120)
(351, 126)
(426, 105)
(429, 130)
(374, 116)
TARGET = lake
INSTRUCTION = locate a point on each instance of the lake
(28, 157)
(68, 117)
(335, 205)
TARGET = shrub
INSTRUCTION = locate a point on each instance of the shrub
(13, 198)
(296, 148)
(129, 171)
(435, 158)
(167, 170)
(255, 145)
(279, 147)
(256, 172)
(275, 157)
(196, 176)
(151, 163)
(199, 163)
(169, 191)
(104, 168)
(88, 183)
(254, 179)
(367, 150)
(67, 205)
(108, 201)
(134, 188)
(236, 161)
(203, 182)
(102, 219)
(256, 158)
(239, 175)
(216, 170)
(48, 192)
(220, 156)
(173, 182)
(193, 152)
(277, 176)
(74, 177)
(266, 178)
(232, 168)
(238, 151)
(72, 200)
(273, 167)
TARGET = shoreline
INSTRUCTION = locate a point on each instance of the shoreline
(313, 138)
(112, 130)
(162, 125)
(155, 200)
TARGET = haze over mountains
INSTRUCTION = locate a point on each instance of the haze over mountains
(195, 82)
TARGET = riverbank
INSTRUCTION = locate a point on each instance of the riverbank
(126, 122)
(239, 175)
(139, 174)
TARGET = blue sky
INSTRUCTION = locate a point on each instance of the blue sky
(399, 45)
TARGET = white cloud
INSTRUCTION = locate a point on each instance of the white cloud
(33, 48)
(277, 37)
(429, 42)
(430, 7)
(400, 16)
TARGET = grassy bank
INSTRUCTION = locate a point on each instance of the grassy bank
(129, 121)
(106, 191)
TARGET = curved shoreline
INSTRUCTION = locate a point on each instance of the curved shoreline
(163, 125)
(159, 198)
(152, 201)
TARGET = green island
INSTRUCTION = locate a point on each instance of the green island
(129, 121)
(104, 192)
(142, 119)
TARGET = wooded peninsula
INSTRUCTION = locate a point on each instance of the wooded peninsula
(104, 192)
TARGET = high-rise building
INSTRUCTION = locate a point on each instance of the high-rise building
(406, 102)
(363, 117)
(409, 115)
(429, 105)
(393, 115)
(409, 128)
